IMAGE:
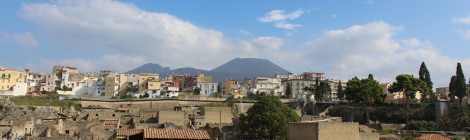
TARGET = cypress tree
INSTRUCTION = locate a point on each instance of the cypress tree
(457, 85)
(340, 91)
(288, 90)
(371, 77)
(426, 77)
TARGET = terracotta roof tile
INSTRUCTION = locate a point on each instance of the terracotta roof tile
(122, 109)
(128, 132)
(153, 133)
(109, 122)
(432, 137)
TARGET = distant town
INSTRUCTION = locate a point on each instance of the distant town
(67, 104)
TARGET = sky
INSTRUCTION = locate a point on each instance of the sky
(342, 39)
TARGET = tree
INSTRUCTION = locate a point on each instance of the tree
(425, 77)
(364, 91)
(409, 85)
(463, 117)
(371, 76)
(445, 121)
(340, 91)
(452, 88)
(267, 119)
(320, 90)
(458, 86)
(197, 91)
(288, 90)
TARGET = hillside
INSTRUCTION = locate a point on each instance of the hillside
(236, 69)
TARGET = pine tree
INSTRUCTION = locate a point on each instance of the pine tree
(425, 76)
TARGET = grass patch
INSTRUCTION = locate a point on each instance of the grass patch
(216, 104)
(386, 131)
(51, 100)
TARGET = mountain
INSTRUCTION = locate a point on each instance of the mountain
(241, 68)
(187, 70)
(236, 69)
(150, 68)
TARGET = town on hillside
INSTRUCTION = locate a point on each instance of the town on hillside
(67, 104)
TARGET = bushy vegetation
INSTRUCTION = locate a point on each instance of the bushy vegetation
(216, 104)
(423, 126)
(49, 100)
(267, 119)
(385, 113)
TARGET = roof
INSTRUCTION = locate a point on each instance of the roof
(109, 122)
(154, 133)
(71, 68)
(128, 132)
(122, 109)
(383, 84)
(432, 137)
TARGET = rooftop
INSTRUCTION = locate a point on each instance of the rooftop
(154, 133)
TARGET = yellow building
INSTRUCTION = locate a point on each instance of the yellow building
(145, 78)
(122, 83)
(9, 77)
(154, 85)
(203, 79)
(232, 87)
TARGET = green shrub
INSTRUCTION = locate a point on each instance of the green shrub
(423, 126)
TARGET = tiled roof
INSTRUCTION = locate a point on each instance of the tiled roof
(109, 122)
(122, 109)
(128, 132)
(432, 137)
(153, 133)
(383, 84)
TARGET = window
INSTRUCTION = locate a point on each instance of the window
(114, 115)
(96, 114)
(67, 131)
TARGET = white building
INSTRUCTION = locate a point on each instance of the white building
(297, 87)
(262, 84)
(207, 89)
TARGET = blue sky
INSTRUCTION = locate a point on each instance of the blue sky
(340, 38)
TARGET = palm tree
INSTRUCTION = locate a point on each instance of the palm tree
(462, 116)
(446, 121)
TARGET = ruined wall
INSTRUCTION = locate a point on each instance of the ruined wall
(328, 131)
(176, 117)
(218, 114)
(369, 136)
(302, 131)
(338, 131)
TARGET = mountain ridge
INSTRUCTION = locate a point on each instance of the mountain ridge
(235, 69)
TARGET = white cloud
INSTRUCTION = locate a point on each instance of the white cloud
(127, 30)
(465, 34)
(268, 43)
(412, 42)
(363, 49)
(245, 32)
(124, 28)
(284, 25)
(280, 19)
(463, 20)
(114, 62)
(22, 39)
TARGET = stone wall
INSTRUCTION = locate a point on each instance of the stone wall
(175, 117)
(328, 131)
(218, 114)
